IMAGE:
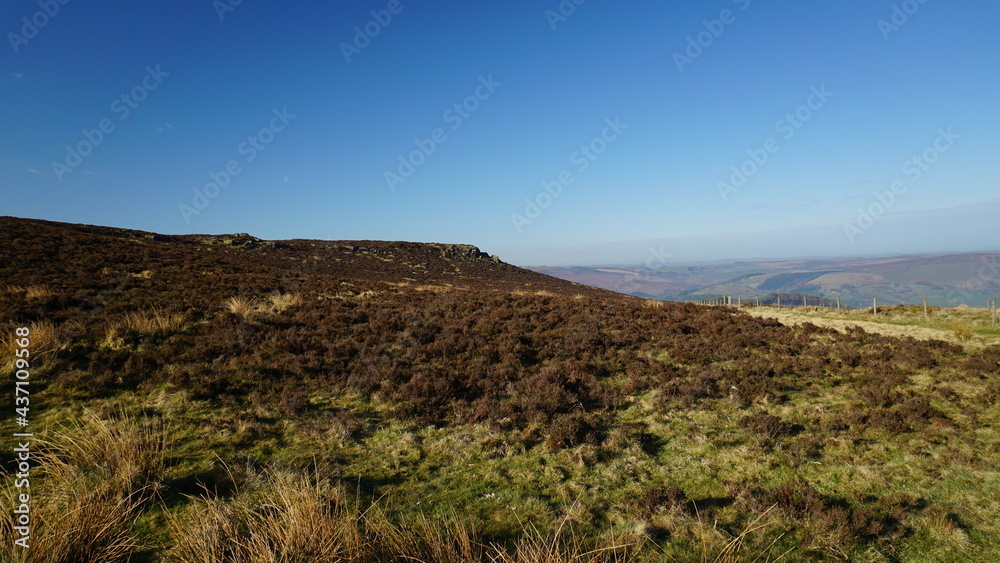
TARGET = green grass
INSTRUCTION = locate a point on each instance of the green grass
(506, 480)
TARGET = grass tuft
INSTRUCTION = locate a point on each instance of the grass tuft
(91, 482)
(241, 306)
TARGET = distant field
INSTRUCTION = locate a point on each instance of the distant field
(966, 326)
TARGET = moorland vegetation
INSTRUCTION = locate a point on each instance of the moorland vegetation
(203, 398)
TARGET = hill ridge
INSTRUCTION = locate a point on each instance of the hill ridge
(40, 251)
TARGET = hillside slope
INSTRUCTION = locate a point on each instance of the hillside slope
(382, 401)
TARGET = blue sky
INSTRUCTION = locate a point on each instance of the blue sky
(645, 110)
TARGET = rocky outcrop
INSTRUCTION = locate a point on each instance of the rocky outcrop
(466, 252)
(241, 240)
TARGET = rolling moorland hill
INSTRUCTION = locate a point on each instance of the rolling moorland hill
(223, 398)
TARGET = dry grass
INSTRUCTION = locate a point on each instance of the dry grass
(278, 302)
(241, 306)
(278, 516)
(38, 292)
(151, 322)
(733, 551)
(91, 481)
(792, 317)
(44, 339)
(148, 323)
(127, 452)
(274, 303)
(961, 330)
(939, 324)
(288, 516)
(30, 292)
(560, 547)
(537, 293)
(432, 288)
(77, 519)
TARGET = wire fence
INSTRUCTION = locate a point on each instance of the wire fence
(815, 301)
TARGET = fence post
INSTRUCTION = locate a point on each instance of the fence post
(838, 302)
(874, 305)
(925, 309)
(779, 301)
(757, 300)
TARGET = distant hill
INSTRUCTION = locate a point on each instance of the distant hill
(969, 278)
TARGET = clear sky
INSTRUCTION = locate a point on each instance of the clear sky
(679, 130)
